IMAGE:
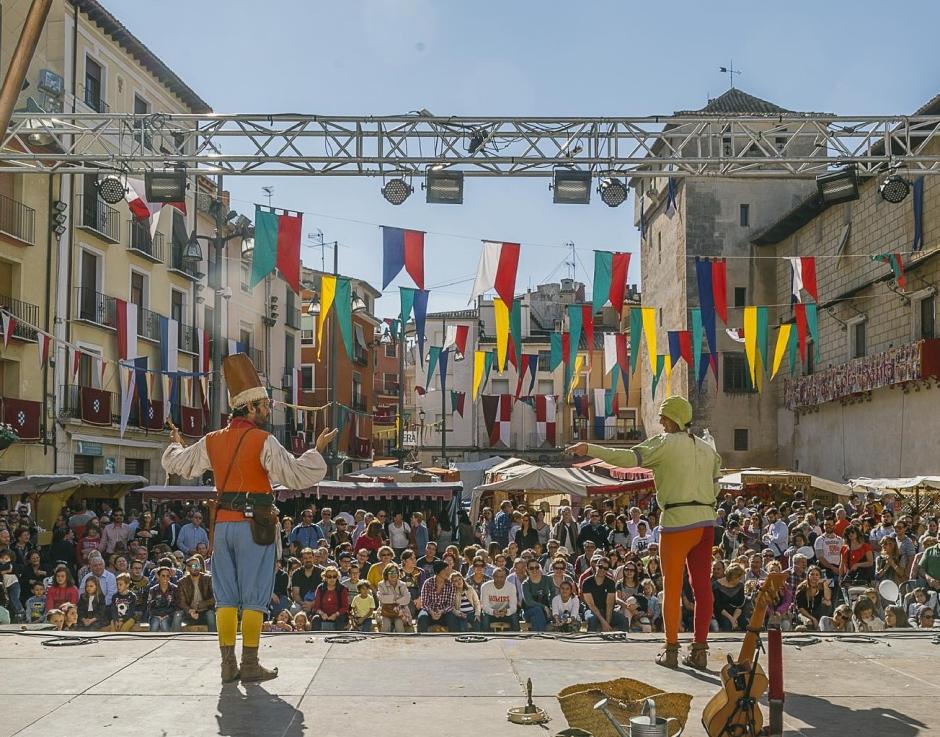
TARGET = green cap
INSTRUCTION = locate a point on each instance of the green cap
(677, 409)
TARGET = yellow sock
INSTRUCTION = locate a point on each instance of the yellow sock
(251, 628)
(226, 621)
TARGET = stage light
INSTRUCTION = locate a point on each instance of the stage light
(572, 187)
(396, 191)
(894, 189)
(444, 187)
(165, 186)
(477, 139)
(111, 189)
(613, 192)
(838, 186)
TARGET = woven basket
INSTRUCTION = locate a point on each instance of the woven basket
(625, 700)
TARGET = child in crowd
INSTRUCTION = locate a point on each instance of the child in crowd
(123, 605)
(566, 609)
(70, 611)
(11, 584)
(301, 623)
(92, 611)
(654, 608)
(281, 623)
(361, 607)
(36, 604)
(56, 618)
(863, 614)
(919, 600)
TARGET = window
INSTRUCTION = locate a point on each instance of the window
(924, 313)
(856, 330)
(545, 360)
(545, 386)
(177, 306)
(391, 350)
(740, 296)
(307, 330)
(83, 464)
(244, 337)
(307, 377)
(288, 352)
(499, 386)
(736, 377)
(142, 107)
(91, 306)
(744, 215)
(740, 438)
(139, 298)
(93, 85)
(246, 276)
(726, 146)
(357, 400)
(810, 357)
(137, 467)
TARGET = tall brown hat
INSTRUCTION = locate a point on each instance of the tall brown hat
(242, 380)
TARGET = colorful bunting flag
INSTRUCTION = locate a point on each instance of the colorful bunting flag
(402, 249)
(575, 321)
(545, 418)
(660, 363)
(497, 270)
(277, 245)
(578, 364)
(421, 313)
(442, 360)
(327, 297)
(672, 193)
(126, 327)
(896, 263)
(610, 352)
(9, 323)
(706, 296)
(812, 324)
(457, 401)
(783, 344)
(702, 362)
(610, 279)
(649, 332)
(43, 342)
(501, 317)
(803, 276)
(720, 288)
(697, 340)
(636, 331)
(556, 356)
(490, 412)
(342, 307)
(750, 342)
(799, 315)
(515, 333)
(736, 334)
(434, 353)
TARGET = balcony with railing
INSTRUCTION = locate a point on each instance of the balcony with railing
(188, 339)
(388, 388)
(148, 324)
(189, 269)
(99, 218)
(72, 406)
(141, 243)
(359, 404)
(95, 307)
(912, 362)
(17, 220)
(385, 416)
(257, 359)
(24, 313)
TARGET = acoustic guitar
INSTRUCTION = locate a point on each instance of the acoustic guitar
(734, 711)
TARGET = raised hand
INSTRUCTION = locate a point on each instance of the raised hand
(325, 438)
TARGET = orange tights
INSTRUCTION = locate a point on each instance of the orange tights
(691, 549)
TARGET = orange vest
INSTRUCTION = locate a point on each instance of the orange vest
(243, 473)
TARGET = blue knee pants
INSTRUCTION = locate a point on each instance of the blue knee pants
(242, 570)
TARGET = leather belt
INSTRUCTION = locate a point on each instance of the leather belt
(667, 507)
(237, 501)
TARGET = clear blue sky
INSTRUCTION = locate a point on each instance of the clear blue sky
(519, 58)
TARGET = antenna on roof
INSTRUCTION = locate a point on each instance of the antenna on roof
(730, 71)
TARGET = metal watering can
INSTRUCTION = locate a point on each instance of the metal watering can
(645, 725)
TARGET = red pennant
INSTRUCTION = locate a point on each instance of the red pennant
(505, 285)
(620, 265)
(565, 347)
(587, 326)
(808, 270)
(623, 355)
(685, 347)
(802, 328)
(902, 282)
(720, 289)
(461, 339)
(414, 256)
(288, 249)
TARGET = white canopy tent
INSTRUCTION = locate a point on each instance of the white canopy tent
(739, 479)
(910, 482)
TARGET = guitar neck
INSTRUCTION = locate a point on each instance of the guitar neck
(769, 588)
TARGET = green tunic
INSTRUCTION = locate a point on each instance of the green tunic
(685, 469)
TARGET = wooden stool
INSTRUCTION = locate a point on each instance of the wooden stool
(499, 626)
(437, 628)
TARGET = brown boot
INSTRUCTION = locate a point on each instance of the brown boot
(252, 671)
(669, 658)
(697, 657)
(229, 664)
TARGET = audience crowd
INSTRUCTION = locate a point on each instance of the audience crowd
(516, 567)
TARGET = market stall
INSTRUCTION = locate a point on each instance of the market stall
(780, 486)
(918, 494)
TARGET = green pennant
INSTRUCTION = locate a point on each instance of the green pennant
(762, 338)
(603, 269)
(342, 304)
(660, 364)
(555, 359)
(614, 375)
(434, 353)
(488, 362)
(407, 303)
(636, 332)
(794, 350)
(574, 330)
(813, 325)
(515, 331)
(264, 254)
(697, 338)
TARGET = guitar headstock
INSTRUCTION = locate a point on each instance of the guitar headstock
(770, 589)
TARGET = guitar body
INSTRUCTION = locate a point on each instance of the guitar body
(722, 718)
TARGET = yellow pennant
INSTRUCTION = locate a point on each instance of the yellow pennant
(649, 330)
(479, 359)
(750, 342)
(327, 294)
(667, 365)
(501, 315)
(576, 377)
(783, 343)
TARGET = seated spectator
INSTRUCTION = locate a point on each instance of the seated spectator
(161, 601)
(925, 618)
(783, 602)
(195, 601)
(537, 594)
(93, 612)
(362, 607)
(123, 605)
(466, 603)
(301, 623)
(499, 602)
(895, 618)
(729, 599)
(56, 618)
(920, 598)
(477, 576)
(36, 604)
(70, 611)
(566, 609)
(394, 601)
(599, 595)
(437, 599)
(813, 599)
(330, 603)
(11, 586)
(654, 609)
(386, 555)
(863, 616)
(888, 564)
(280, 623)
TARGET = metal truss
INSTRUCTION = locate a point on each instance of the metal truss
(788, 146)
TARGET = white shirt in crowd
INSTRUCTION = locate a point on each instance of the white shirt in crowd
(572, 607)
(398, 536)
(829, 549)
(493, 599)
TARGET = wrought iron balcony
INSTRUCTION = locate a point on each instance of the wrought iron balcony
(99, 217)
(180, 264)
(17, 220)
(188, 338)
(153, 249)
(911, 362)
(148, 324)
(95, 307)
(24, 312)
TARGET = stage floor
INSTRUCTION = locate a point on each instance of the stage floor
(151, 686)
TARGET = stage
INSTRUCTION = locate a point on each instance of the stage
(153, 686)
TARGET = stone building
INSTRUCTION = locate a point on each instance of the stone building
(715, 218)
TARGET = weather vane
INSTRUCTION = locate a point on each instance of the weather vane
(730, 71)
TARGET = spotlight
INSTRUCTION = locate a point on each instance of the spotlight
(396, 191)
(477, 139)
(165, 186)
(613, 192)
(111, 189)
(444, 187)
(894, 189)
(572, 187)
(838, 186)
